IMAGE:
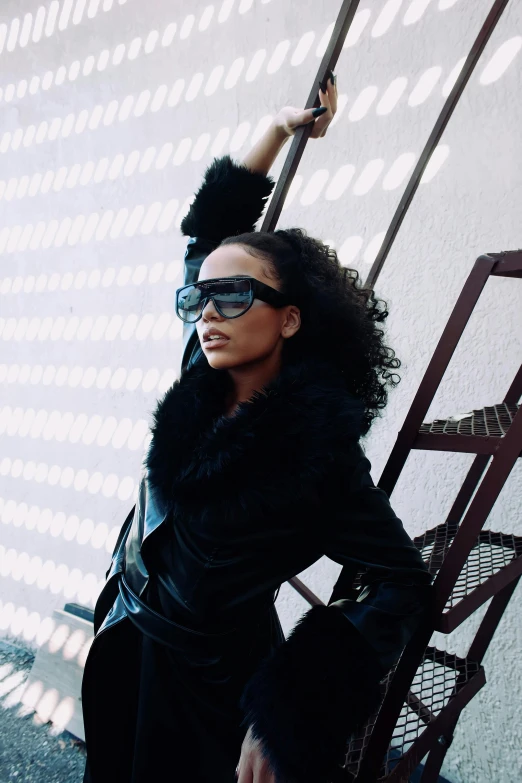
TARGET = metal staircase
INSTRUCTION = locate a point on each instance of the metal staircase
(424, 694)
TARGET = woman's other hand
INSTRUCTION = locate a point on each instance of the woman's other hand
(253, 767)
(289, 118)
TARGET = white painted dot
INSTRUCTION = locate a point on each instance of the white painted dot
(362, 103)
(234, 73)
(29, 135)
(301, 50)
(103, 60)
(439, 156)
(142, 103)
(110, 113)
(13, 34)
(186, 27)
(398, 171)
(41, 133)
(220, 141)
(314, 187)
(386, 17)
(324, 40)
(81, 121)
(38, 24)
(214, 80)
(131, 163)
(125, 108)
(240, 136)
(96, 116)
(373, 247)
(134, 48)
(194, 87)
(74, 70)
(200, 146)
(206, 18)
(368, 177)
(359, 22)
(415, 11)
(118, 54)
(47, 80)
(340, 182)
(17, 138)
(168, 35)
(501, 60)
(164, 155)
(452, 78)
(60, 75)
(152, 40)
(255, 65)
(182, 151)
(159, 98)
(224, 11)
(68, 125)
(293, 190)
(147, 159)
(424, 86)
(175, 93)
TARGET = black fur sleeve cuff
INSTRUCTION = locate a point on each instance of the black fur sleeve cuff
(230, 201)
(311, 694)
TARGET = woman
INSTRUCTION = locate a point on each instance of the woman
(254, 471)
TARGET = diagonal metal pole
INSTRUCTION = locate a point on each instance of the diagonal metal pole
(434, 138)
(295, 153)
(331, 55)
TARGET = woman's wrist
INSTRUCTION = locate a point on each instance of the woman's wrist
(266, 149)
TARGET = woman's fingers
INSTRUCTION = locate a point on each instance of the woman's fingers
(329, 101)
(290, 118)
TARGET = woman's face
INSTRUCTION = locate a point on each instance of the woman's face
(254, 336)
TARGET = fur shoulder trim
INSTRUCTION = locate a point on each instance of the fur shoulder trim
(230, 201)
(277, 446)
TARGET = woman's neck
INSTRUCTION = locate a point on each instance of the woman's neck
(246, 379)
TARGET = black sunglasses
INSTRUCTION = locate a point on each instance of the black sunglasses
(232, 296)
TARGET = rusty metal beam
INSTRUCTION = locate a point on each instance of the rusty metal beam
(434, 138)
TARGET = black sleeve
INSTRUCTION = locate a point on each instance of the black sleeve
(229, 201)
(316, 689)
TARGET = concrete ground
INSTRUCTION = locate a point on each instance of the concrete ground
(29, 751)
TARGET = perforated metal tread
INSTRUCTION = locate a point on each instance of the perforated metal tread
(494, 560)
(477, 432)
(442, 680)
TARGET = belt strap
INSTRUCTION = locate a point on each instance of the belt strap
(165, 631)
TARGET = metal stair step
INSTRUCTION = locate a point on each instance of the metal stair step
(443, 683)
(476, 432)
(493, 562)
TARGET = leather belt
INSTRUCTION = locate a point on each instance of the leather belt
(178, 637)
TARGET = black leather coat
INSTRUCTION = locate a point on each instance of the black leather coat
(228, 509)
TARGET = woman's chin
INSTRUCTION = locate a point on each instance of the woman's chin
(221, 360)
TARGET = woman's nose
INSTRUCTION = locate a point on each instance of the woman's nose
(209, 310)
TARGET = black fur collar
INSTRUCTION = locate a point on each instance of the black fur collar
(274, 446)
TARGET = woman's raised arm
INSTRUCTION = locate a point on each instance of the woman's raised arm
(230, 201)
(233, 195)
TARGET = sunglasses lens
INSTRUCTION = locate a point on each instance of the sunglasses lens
(231, 297)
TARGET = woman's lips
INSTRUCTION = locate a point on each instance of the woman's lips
(216, 343)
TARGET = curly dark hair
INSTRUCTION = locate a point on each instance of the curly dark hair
(339, 316)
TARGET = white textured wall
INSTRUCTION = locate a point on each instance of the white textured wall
(125, 111)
